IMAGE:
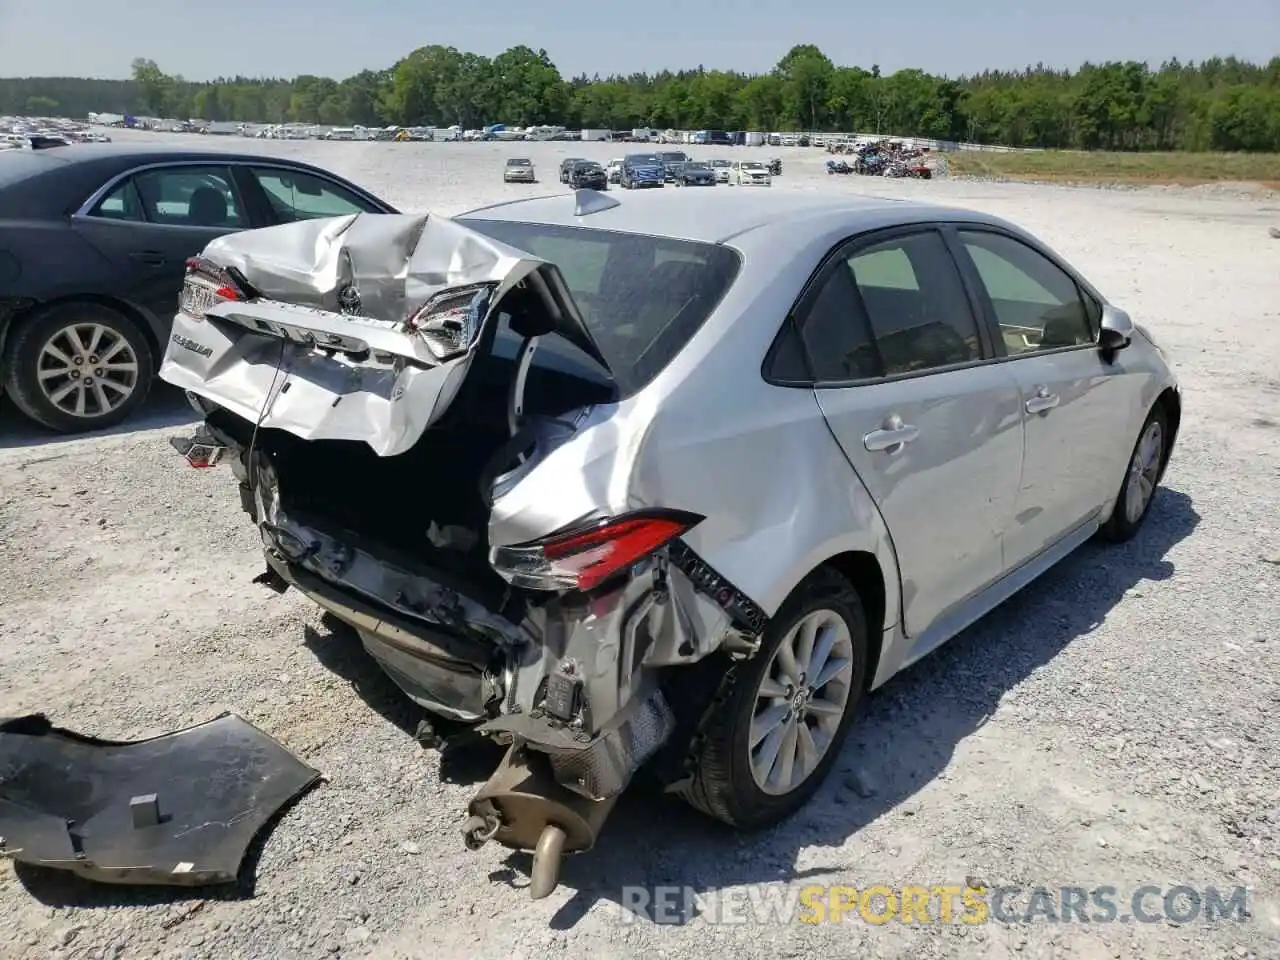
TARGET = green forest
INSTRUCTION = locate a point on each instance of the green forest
(1219, 104)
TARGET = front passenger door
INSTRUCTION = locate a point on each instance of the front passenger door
(933, 432)
(1071, 398)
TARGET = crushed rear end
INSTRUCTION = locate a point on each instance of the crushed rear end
(437, 491)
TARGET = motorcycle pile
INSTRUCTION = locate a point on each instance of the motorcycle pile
(883, 159)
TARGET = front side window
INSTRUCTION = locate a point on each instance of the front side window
(190, 196)
(1037, 305)
(295, 195)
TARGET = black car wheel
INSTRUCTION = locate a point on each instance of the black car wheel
(78, 367)
(780, 718)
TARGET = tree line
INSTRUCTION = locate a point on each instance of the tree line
(1217, 104)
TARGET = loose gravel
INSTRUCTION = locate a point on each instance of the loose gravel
(1116, 724)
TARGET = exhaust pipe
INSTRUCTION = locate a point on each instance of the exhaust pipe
(523, 807)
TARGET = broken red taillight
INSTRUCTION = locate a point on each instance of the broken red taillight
(205, 286)
(199, 451)
(586, 556)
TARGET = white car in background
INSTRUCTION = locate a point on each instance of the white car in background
(749, 173)
(614, 170)
(721, 167)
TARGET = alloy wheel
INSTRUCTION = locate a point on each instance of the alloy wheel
(87, 370)
(800, 702)
(1144, 471)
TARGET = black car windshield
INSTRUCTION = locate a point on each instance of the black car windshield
(642, 159)
(643, 297)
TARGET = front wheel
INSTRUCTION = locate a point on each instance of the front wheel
(78, 367)
(1138, 489)
(780, 718)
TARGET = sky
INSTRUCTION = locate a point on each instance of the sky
(203, 39)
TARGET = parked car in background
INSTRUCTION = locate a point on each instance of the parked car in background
(695, 174)
(614, 169)
(642, 170)
(94, 240)
(588, 174)
(721, 167)
(518, 170)
(671, 159)
(622, 428)
(566, 165)
(749, 173)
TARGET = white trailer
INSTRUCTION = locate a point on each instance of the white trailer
(597, 134)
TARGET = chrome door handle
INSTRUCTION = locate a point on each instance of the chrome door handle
(1043, 401)
(893, 436)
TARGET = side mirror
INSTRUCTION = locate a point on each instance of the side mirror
(1116, 332)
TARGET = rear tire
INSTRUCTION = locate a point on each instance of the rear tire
(746, 784)
(107, 359)
(1141, 478)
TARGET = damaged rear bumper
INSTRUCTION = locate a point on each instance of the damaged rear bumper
(180, 809)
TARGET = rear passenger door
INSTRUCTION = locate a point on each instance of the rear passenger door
(149, 222)
(933, 431)
(1046, 324)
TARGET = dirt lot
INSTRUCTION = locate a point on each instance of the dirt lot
(1114, 725)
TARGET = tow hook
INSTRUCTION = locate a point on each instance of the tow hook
(478, 831)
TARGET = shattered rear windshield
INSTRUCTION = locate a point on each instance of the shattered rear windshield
(643, 297)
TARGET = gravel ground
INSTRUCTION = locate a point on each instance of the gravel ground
(1113, 725)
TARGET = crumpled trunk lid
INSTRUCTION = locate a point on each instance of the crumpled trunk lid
(324, 347)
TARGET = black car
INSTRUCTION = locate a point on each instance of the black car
(566, 165)
(588, 174)
(94, 240)
(694, 174)
(641, 170)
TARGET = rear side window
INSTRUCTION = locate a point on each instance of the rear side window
(916, 304)
(190, 196)
(893, 308)
(122, 203)
(643, 297)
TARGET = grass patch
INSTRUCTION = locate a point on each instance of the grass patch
(1072, 166)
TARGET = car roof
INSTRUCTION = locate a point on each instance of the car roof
(717, 216)
(56, 179)
(145, 153)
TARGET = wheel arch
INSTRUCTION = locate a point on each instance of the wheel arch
(140, 318)
(863, 571)
(1170, 400)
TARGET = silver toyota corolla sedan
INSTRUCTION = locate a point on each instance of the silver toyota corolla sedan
(666, 482)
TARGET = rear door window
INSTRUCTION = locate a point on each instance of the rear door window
(188, 196)
(893, 308)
